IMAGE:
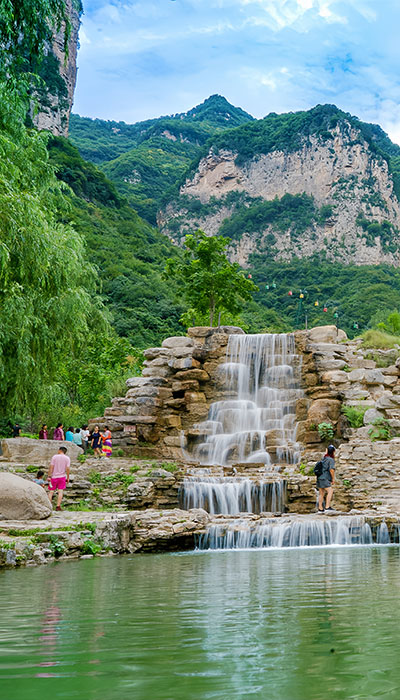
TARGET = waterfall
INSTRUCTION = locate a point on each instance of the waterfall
(303, 532)
(256, 422)
(232, 495)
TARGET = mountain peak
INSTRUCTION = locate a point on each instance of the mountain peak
(217, 110)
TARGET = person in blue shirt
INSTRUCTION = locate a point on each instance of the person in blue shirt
(69, 435)
(78, 438)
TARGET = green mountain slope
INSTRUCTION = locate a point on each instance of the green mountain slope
(129, 253)
(145, 159)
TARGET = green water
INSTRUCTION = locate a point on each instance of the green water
(315, 624)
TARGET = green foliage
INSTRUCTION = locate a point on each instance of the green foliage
(326, 431)
(380, 430)
(129, 253)
(377, 339)
(171, 467)
(47, 288)
(119, 478)
(294, 213)
(357, 293)
(210, 283)
(383, 231)
(392, 324)
(355, 415)
(89, 546)
(145, 159)
(25, 26)
(57, 546)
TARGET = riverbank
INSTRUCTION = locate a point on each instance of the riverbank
(83, 535)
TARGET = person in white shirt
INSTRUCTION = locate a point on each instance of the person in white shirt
(85, 437)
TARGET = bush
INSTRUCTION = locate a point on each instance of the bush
(355, 415)
(380, 430)
(378, 339)
(326, 431)
(91, 547)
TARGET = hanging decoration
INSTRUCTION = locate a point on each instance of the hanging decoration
(316, 303)
(273, 285)
(325, 309)
(249, 276)
(290, 293)
(301, 295)
(267, 286)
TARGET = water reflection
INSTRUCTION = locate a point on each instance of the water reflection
(267, 625)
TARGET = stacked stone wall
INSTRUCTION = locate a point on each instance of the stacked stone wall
(179, 381)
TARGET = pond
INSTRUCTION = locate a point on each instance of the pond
(292, 624)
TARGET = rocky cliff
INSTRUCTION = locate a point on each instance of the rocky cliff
(295, 185)
(58, 71)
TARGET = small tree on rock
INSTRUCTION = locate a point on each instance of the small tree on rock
(209, 282)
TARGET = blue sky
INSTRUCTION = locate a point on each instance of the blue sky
(144, 58)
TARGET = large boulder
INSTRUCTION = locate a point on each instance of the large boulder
(21, 499)
(324, 411)
(324, 334)
(38, 452)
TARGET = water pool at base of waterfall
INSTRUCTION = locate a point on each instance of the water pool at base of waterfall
(311, 624)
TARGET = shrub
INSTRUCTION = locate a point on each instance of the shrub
(57, 546)
(326, 431)
(91, 547)
(355, 415)
(119, 453)
(378, 339)
(380, 430)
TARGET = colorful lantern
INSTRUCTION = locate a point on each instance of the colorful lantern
(316, 303)
(290, 293)
(336, 315)
(273, 285)
(249, 276)
(325, 309)
(267, 286)
(301, 295)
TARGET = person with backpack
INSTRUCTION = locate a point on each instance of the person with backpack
(325, 473)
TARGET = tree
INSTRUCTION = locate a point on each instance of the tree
(209, 282)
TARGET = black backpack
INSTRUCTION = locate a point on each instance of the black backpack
(319, 468)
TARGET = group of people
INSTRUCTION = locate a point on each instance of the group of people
(100, 442)
(58, 476)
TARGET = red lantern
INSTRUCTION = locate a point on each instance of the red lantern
(325, 309)
(290, 293)
(249, 276)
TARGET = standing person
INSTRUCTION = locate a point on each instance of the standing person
(69, 435)
(59, 475)
(95, 441)
(58, 433)
(78, 438)
(107, 442)
(43, 432)
(16, 430)
(85, 438)
(326, 480)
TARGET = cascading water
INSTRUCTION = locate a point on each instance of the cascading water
(232, 495)
(256, 422)
(305, 532)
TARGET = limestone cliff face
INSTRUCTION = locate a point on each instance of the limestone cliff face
(59, 71)
(342, 174)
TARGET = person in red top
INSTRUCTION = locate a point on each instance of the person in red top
(43, 432)
(59, 474)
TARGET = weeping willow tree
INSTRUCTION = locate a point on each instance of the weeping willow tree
(48, 299)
